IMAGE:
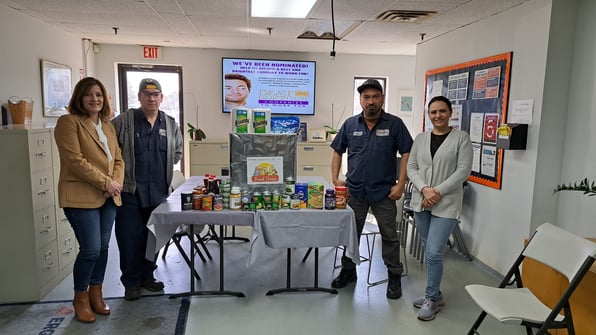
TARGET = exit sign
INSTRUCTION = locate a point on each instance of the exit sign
(151, 52)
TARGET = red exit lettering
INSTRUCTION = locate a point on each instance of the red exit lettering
(150, 52)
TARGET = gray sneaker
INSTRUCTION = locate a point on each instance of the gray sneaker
(428, 310)
(418, 302)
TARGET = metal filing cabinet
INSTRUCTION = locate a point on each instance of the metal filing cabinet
(29, 248)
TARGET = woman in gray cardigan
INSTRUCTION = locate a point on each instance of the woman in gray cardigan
(440, 162)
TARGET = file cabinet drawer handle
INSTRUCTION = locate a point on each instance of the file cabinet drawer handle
(49, 267)
(41, 154)
(309, 148)
(308, 168)
(46, 230)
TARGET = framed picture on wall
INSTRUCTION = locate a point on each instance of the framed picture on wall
(359, 81)
(303, 132)
(406, 99)
(56, 85)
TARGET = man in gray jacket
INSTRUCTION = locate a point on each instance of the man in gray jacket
(151, 144)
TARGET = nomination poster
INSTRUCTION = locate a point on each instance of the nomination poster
(479, 92)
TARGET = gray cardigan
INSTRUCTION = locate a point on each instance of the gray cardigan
(124, 124)
(446, 172)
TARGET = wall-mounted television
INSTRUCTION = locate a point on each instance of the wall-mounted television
(283, 86)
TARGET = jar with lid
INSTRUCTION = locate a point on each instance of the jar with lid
(289, 183)
(235, 198)
(341, 197)
(330, 199)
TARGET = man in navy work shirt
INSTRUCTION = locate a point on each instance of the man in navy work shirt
(373, 138)
(151, 144)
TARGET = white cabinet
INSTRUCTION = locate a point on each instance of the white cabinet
(29, 246)
(313, 159)
(210, 157)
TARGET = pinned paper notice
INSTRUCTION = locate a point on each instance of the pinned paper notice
(521, 112)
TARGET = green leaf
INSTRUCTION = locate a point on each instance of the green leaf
(584, 186)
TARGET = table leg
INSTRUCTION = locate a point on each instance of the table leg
(221, 290)
(234, 237)
(289, 288)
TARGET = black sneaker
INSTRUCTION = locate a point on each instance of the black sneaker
(152, 285)
(344, 278)
(132, 293)
(394, 286)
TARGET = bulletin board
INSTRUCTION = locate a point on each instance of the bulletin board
(479, 92)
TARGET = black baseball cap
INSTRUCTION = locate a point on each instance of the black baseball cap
(370, 83)
(149, 83)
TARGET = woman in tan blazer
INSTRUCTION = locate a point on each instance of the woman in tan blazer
(91, 178)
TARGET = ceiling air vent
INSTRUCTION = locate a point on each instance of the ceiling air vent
(404, 16)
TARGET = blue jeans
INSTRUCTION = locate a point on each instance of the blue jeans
(435, 232)
(385, 213)
(92, 228)
(131, 235)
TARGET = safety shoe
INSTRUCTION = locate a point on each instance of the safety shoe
(428, 310)
(344, 278)
(132, 293)
(151, 284)
(394, 286)
(418, 302)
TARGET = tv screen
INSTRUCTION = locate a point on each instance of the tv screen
(283, 86)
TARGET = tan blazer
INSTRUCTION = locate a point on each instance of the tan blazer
(85, 172)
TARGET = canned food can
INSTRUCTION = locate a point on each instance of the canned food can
(267, 197)
(207, 202)
(218, 202)
(295, 202)
(197, 201)
(185, 201)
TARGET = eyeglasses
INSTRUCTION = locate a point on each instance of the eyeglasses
(155, 95)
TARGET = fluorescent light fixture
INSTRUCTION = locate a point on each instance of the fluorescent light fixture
(281, 8)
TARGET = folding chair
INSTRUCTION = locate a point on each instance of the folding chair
(370, 232)
(565, 252)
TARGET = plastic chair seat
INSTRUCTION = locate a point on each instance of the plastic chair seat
(510, 306)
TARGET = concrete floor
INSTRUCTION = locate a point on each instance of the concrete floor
(357, 309)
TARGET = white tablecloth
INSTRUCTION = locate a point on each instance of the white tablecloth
(284, 228)
(305, 228)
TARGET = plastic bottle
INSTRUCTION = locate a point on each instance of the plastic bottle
(330, 199)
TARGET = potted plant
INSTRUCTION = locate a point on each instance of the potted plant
(331, 132)
(583, 186)
(195, 133)
(332, 129)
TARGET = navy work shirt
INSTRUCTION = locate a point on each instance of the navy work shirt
(372, 154)
(150, 159)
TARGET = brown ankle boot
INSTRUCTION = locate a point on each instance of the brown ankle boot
(82, 307)
(98, 305)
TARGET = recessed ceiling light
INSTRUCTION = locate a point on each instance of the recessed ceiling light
(281, 8)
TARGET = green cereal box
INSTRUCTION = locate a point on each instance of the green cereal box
(316, 195)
